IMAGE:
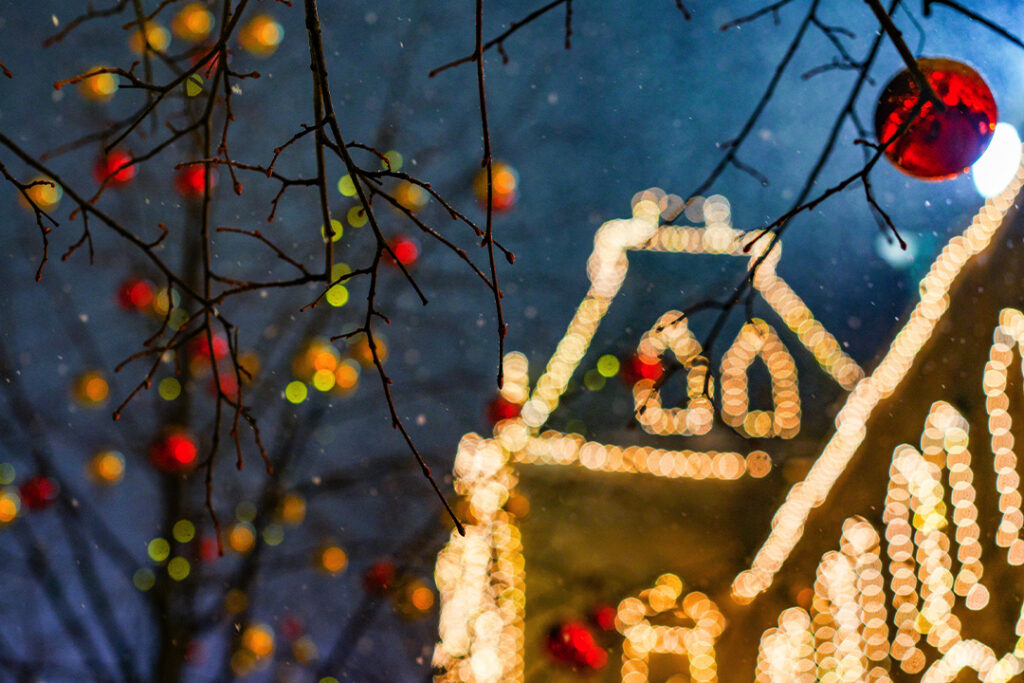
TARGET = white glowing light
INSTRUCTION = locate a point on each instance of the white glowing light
(889, 249)
(994, 170)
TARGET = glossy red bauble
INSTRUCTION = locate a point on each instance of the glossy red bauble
(189, 181)
(500, 409)
(937, 144)
(38, 492)
(572, 644)
(135, 295)
(176, 453)
(106, 169)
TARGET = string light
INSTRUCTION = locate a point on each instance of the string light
(642, 638)
(848, 633)
(789, 520)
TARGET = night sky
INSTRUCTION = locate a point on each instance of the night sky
(644, 98)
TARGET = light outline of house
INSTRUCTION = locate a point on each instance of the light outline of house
(480, 576)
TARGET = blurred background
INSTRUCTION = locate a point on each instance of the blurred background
(108, 556)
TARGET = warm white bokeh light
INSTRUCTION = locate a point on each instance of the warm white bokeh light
(994, 170)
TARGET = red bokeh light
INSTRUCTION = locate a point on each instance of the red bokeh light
(406, 250)
(107, 165)
(189, 181)
(500, 409)
(938, 144)
(603, 617)
(199, 347)
(637, 367)
(379, 577)
(38, 492)
(135, 295)
(174, 454)
(572, 644)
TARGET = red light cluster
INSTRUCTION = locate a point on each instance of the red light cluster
(176, 453)
(572, 644)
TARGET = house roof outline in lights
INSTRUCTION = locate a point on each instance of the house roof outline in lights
(480, 576)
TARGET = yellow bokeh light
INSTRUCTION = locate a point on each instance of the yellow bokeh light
(193, 85)
(337, 296)
(422, 598)
(346, 186)
(259, 640)
(392, 161)
(144, 579)
(193, 23)
(44, 193)
(323, 380)
(10, 504)
(107, 467)
(296, 392)
(241, 537)
(292, 509)
(183, 531)
(98, 88)
(337, 227)
(158, 549)
(91, 389)
(169, 388)
(346, 377)
(332, 559)
(357, 217)
(411, 196)
(178, 568)
(608, 365)
(261, 36)
(158, 37)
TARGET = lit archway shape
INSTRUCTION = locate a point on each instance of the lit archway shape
(758, 339)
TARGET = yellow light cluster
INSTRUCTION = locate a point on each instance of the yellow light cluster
(671, 332)
(1008, 333)
(786, 653)
(479, 576)
(848, 619)
(557, 448)
(696, 642)
(789, 520)
(757, 338)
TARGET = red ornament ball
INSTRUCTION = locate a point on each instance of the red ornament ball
(38, 492)
(572, 644)
(379, 578)
(106, 167)
(176, 453)
(501, 409)
(190, 181)
(135, 295)
(938, 144)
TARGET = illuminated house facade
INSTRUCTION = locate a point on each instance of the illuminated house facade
(889, 550)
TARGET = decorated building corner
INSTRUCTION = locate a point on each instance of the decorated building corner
(702, 549)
